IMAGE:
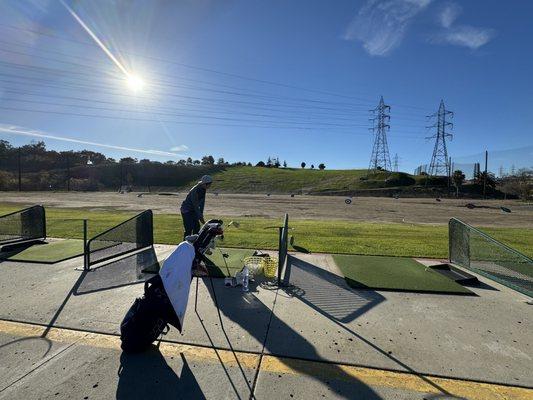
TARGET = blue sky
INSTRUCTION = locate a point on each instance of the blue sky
(248, 79)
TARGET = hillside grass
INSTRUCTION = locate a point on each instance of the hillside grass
(331, 236)
(297, 180)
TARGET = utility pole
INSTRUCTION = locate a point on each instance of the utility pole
(449, 173)
(439, 159)
(485, 174)
(380, 158)
(396, 162)
(68, 172)
(20, 170)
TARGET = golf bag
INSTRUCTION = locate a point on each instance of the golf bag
(150, 315)
(147, 318)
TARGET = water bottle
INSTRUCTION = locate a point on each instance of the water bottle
(245, 278)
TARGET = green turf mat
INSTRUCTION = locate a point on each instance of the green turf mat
(220, 266)
(394, 273)
(51, 252)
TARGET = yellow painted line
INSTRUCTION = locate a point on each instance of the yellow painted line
(281, 365)
(112, 342)
(397, 380)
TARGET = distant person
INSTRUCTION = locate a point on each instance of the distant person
(192, 208)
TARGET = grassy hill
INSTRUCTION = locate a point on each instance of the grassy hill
(297, 180)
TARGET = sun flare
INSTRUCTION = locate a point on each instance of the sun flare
(135, 83)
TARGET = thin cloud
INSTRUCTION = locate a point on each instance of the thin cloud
(380, 25)
(20, 131)
(460, 35)
(449, 14)
(179, 148)
(468, 36)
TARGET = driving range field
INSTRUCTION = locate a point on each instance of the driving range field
(362, 209)
(368, 226)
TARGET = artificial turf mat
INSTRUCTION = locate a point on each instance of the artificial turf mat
(51, 252)
(394, 273)
(220, 266)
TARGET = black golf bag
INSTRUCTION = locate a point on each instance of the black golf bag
(150, 315)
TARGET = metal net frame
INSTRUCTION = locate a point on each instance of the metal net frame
(23, 225)
(283, 246)
(470, 248)
(131, 235)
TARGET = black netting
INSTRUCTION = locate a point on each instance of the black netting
(459, 243)
(27, 224)
(283, 245)
(133, 234)
(473, 249)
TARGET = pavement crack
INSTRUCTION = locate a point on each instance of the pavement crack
(43, 362)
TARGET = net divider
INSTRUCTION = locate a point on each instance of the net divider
(490, 239)
(87, 250)
(41, 235)
(462, 241)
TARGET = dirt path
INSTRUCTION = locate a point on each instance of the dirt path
(371, 209)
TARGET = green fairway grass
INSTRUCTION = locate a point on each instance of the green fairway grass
(394, 273)
(220, 266)
(326, 236)
(50, 252)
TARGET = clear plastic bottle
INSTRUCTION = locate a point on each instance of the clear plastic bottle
(245, 279)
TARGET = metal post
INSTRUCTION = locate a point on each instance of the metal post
(449, 174)
(85, 249)
(280, 262)
(68, 173)
(20, 171)
(485, 175)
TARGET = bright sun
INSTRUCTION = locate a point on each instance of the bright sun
(135, 83)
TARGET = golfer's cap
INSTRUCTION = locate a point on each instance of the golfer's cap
(206, 179)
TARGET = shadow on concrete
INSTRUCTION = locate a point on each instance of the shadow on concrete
(309, 275)
(130, 270)
(241, 370)
(10, 250)
(327, 293)
(244, 308)
(53, 320)
(47, 341)
(148, 376)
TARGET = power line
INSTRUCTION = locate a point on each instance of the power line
(172, 62)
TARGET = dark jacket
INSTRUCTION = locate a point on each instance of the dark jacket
(194, 202)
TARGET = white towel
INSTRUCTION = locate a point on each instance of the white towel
(176, 275)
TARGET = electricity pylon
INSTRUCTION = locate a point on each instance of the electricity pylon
(439, 160)
(380, 159)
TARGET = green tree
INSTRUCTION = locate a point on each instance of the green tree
(303, 164)
(208, 160)
(458, 179)
(321, 166)
(488, 176)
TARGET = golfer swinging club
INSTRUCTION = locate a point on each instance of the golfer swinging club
(192, 208)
